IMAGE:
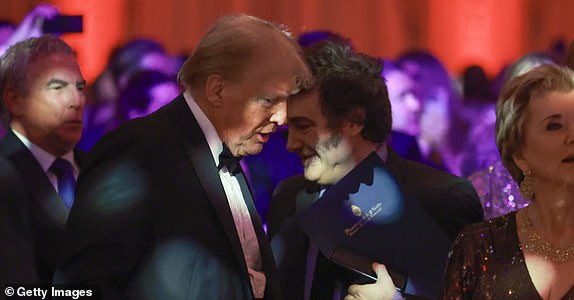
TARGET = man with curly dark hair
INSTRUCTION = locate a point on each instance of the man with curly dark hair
(334, 126)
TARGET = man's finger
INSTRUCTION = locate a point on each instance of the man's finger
(353, 290)
(381, 270)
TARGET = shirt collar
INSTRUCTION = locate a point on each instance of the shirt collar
(42, 156)
(213, 139)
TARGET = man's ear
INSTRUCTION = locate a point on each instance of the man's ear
(214, 85)
(355, 121)
(12, 101)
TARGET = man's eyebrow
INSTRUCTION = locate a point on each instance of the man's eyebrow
(300, 120)
(294, 91)
(56, 81)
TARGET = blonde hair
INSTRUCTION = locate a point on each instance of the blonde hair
(512, 105)
(230, 46)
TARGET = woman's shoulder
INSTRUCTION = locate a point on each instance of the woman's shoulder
(490, 229)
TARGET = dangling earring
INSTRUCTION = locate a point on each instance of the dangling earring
(526, 186)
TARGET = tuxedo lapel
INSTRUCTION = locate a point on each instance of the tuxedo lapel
(34, 178)
(288, 241)
(396, 167)
(306, 197)
(264, 246)
(46, 210)
(80, 157)
(199, 154)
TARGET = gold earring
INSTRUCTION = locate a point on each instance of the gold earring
(526, 186)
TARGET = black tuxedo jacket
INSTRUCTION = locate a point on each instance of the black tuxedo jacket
(151, 219)
(32, 216)
(451, 201)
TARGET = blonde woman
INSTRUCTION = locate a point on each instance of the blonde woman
(527, 254)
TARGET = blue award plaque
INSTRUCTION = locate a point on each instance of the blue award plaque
(365, 215)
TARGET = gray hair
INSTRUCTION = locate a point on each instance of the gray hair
(14, 64)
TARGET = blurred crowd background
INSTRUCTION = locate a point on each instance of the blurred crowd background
(445, 62)
(489, 33)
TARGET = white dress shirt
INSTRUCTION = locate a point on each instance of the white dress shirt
(241, 217)
(46, 159)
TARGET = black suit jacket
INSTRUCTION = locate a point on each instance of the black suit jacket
(151, 219)
(451, 201)
(32, 216)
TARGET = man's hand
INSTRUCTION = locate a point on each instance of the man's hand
(383, 289)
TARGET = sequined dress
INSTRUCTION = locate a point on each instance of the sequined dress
(487, 263)
(498, 192)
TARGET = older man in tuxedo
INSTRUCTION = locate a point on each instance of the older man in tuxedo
(42, 91)
(162, 209)
(333, 127)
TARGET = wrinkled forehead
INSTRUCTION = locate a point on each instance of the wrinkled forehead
(52, 61)
(60, 65)
(548, 101)
(27, 69)
(280, 67)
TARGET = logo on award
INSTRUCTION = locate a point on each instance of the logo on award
(365, 218)
(356, 210)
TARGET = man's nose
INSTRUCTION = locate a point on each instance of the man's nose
(293, 143)
(77, 98)
(279, 114)
(414, 103)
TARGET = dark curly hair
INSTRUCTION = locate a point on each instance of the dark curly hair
(348, 80)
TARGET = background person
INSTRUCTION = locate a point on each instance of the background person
(42, 91)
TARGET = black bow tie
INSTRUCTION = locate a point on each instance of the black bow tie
(226, 159)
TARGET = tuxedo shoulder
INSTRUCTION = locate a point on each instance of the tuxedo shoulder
(147, 131)
(284, 201)
(433, 177)
(7, 172)
(294, 185)
(13, 192)
(423, 169)
(289, 182)
(441, 192)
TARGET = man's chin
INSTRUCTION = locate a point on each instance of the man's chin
(251, 150)
(70, 138)
(310, 176)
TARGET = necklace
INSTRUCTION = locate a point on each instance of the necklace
(558, 254)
